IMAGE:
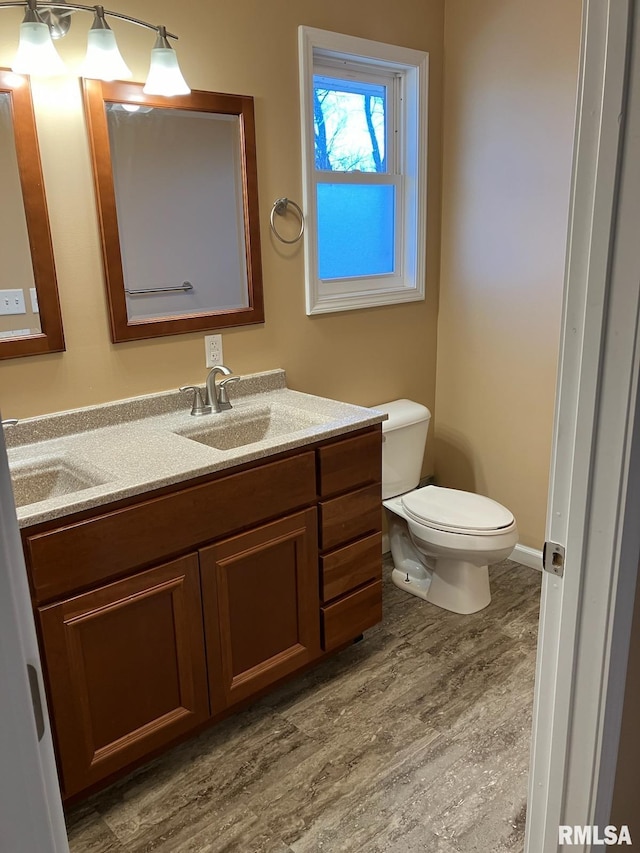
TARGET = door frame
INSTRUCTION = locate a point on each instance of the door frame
(31, 816)
(594, 495)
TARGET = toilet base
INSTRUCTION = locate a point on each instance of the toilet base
(413, 585)
(437, 574)
(459, 586)
(453, 585)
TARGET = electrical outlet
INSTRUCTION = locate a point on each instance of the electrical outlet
(12, 302)
(213, 350)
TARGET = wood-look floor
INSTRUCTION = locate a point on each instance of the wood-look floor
(416, 739)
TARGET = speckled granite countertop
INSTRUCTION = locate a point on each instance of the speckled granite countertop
(85, 458)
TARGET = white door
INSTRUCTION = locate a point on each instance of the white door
(594, 495)
(31, 816)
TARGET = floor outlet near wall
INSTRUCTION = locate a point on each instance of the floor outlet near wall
(12, 302)
(213, 350)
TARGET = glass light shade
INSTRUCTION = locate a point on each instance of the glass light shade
(103, 60)
(165, 77)
(36, 54)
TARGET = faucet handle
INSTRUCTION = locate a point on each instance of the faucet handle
(198, 406)
(223, 396)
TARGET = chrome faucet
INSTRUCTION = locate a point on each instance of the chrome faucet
(213, 398)
(218, 400)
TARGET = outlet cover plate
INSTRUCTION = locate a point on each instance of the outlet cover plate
(213, 350)
(12, 302)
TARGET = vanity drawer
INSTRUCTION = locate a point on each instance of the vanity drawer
(347, 568)
(351, 615)
(349, 463)
(350, 516)
(87, 552)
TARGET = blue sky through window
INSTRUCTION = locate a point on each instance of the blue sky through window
(349, 125)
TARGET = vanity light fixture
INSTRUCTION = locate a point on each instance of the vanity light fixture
(103, 60)
(165, 77)
(36, 53)
(44, 21)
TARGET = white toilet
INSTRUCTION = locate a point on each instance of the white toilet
(442, 540)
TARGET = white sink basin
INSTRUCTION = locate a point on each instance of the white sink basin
(238, 428)
(45, 479)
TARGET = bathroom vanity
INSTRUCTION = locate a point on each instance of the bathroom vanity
(164, 603)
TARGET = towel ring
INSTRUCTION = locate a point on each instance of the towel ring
(280, 206)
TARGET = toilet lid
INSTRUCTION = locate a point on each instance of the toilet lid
(452, 510)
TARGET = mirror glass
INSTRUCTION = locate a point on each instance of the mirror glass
(176, 187)
(30, 321)
(17, 283)
(195, 200)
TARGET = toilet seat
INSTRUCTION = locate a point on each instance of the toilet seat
(454, 511)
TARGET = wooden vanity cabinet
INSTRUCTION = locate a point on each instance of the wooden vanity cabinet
(164, 612)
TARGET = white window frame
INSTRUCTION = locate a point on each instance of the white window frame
(320, 50)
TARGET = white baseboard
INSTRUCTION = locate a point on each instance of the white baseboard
(521, 554)
(527, 556)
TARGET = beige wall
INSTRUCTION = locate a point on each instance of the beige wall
(247, 47)
(509, 97)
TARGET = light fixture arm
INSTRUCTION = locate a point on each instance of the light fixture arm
(61, 9)
(31, 12)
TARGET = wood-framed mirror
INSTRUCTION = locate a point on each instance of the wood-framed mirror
(30, 318)
(177, 195)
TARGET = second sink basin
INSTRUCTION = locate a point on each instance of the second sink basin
(237, 428)
(49, 478)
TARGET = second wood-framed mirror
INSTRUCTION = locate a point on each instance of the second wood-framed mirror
(177, 195)
(30, 318)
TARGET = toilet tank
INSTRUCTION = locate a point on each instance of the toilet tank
(404, 436)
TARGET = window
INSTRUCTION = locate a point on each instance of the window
(363, 108)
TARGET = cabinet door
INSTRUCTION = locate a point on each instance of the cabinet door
(126, 669)
(261, 606)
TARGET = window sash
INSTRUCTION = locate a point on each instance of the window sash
(351, 70)
(325, 176)
(374, 282)
(358, 72)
